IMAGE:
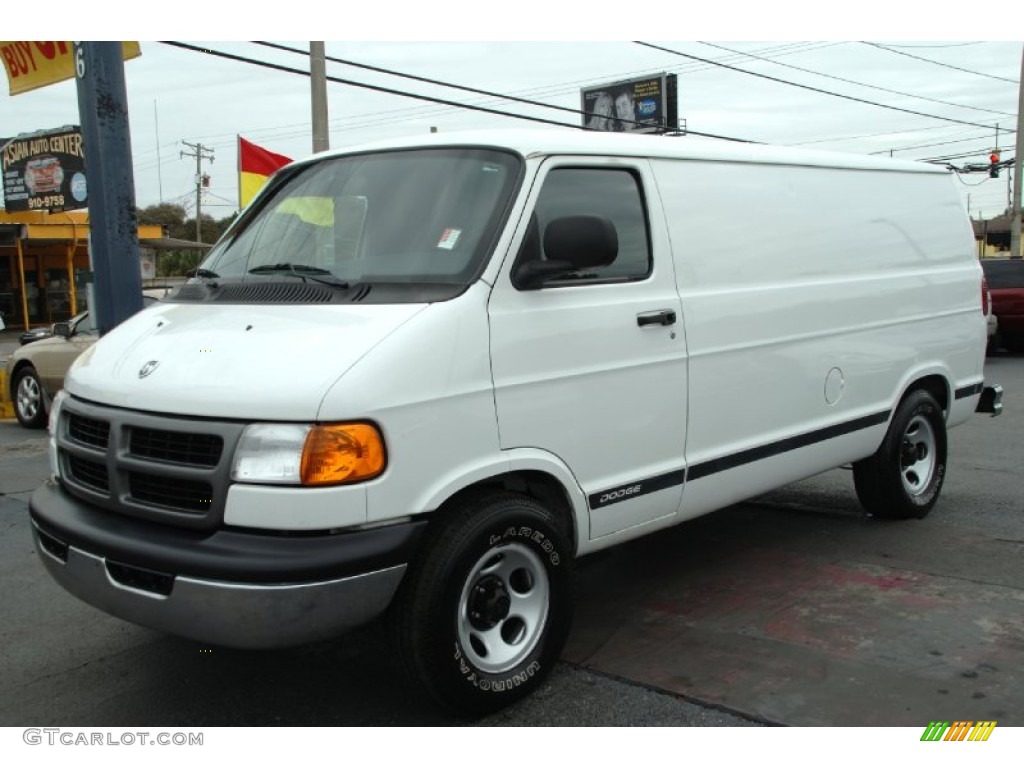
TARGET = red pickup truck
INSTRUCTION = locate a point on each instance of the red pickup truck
(1005, 279)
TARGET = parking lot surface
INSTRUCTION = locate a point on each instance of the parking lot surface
(791, 609)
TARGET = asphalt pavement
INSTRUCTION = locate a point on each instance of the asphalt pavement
(790, 609)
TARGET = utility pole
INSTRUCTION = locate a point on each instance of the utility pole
(1015, 223)
(114, 240)
(200, 153)
(318, 86)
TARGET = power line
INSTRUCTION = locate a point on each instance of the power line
(939, 63)
(872, 135)
(812, 88)
(945, 45)
(407, 94)
(379, 117)
(936, 144)
(976, 152)
(858, 83)
(381, 89)
(428, 80)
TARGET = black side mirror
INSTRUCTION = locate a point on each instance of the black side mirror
(583, 241)
(62, 329)
(571, 244)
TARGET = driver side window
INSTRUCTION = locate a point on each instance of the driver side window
(611, 193)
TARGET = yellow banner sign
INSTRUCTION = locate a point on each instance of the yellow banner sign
(32, 65)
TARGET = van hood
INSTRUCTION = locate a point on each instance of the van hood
(231, 361)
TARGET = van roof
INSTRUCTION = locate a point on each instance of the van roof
(530, 143)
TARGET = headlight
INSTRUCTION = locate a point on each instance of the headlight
(304, 454)
(52, 426)
(55, 406)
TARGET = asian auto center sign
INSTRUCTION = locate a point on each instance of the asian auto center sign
(44, 171)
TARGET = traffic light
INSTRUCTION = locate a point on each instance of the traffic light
(993, 169)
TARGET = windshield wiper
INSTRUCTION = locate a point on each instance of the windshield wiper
(205, 273)
(301, 271)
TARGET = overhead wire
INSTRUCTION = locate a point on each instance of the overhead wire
(939, 63)
(381, 117)
(408, 94)
(812, 88)
(858, 83)
(872, 135)
(926, 146)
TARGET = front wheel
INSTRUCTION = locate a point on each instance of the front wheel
(903, 478)
(484, 613)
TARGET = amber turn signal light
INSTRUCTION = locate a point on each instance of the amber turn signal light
(342, 453)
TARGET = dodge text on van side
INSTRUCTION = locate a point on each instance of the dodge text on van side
(422, 378)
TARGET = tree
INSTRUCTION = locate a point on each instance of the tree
(167, 215)
(172, 218)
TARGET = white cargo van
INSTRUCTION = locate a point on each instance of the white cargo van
(424, 377)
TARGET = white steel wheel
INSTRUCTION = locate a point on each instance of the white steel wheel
(917, 456)
(503, 607)
(903, 478)
(484, 610)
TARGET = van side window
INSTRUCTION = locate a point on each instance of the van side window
(612, 193)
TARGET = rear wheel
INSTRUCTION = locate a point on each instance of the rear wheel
(1014, 342)
(29, 405)
(483, 615)
(903, 478)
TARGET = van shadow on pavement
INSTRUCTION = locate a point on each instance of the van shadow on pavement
(812, 619)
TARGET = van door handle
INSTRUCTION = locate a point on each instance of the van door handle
(660, 317)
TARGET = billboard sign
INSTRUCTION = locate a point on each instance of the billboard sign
(644, 105)
(44, 171)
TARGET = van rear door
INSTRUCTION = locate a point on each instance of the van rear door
(591, 366)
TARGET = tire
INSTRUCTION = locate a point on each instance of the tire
(484, 612)
(1014, 342)
(902, 480)
(29, 400)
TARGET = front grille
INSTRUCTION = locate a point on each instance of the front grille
(176, 447)
(89, 473)
(174, 493)
(160, 468)
(93, 432)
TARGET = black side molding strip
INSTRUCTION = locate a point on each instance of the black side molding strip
(706, 468)
(973, 389)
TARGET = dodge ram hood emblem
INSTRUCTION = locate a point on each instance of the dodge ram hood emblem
(148, 368)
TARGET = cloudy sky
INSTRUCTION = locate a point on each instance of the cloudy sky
(178, 95)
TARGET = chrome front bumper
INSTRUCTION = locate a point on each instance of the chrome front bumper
(219, 612)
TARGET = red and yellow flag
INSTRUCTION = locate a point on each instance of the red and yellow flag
(255, 164)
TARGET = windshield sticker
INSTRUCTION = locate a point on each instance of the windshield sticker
(449, 238)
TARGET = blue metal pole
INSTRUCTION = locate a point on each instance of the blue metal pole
(114, 247)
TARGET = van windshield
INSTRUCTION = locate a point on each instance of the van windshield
(400, 217)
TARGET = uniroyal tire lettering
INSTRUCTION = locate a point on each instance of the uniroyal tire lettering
(497, 685)
(619, 494)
